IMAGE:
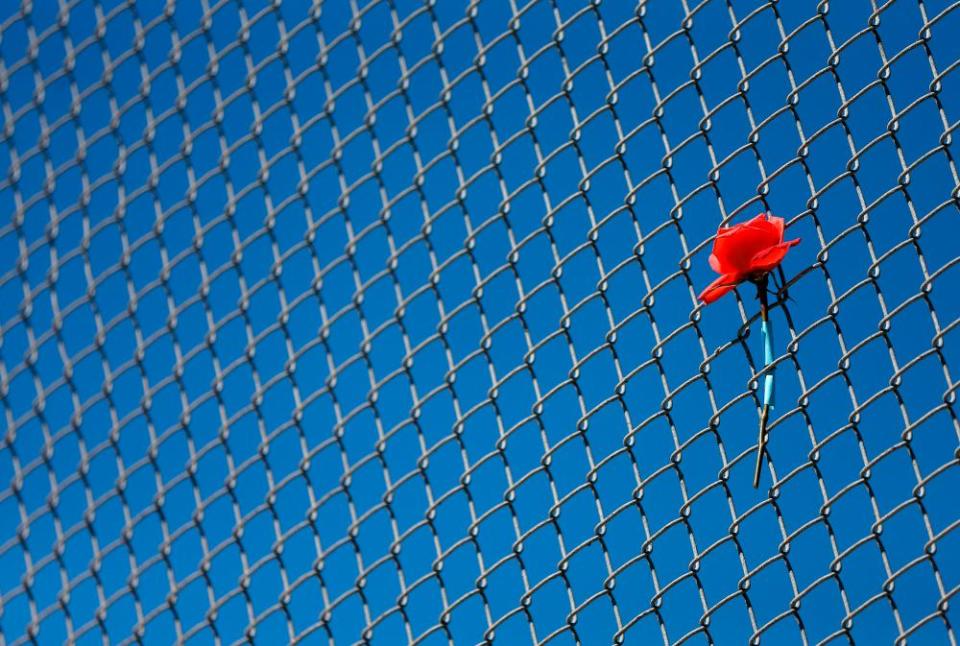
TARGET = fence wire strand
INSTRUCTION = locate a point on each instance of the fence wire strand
(376, 321)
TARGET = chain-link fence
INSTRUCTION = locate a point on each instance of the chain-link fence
(376, 321)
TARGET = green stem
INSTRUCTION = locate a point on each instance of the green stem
(765, 411)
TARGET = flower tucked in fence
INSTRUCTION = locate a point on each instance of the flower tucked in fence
(746, 252)
(749, 252)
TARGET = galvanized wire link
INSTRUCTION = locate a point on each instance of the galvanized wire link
(376, 322)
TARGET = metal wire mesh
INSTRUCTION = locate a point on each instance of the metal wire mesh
(376, 321)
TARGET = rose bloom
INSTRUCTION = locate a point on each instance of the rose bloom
(746, 251)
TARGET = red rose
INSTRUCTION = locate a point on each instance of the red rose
(746, 252)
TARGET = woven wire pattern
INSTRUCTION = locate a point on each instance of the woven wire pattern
(376, 321)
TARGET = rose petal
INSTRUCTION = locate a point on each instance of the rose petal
(719, 287)
(720, 258)
(769, 258)
(736, 248)
(715, 264)
(769, 226)
(779, 223)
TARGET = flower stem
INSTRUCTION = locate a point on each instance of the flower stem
(766, 334)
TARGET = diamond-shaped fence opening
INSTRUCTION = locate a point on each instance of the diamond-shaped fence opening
(377, 321)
